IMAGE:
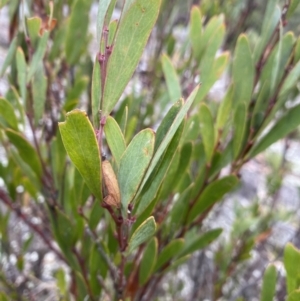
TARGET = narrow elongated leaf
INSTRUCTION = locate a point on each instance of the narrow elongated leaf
(96, 93)
(284, 126)
(28, 172)
(81, 145)
(151, 188)
(133, 165)
(73, 94)
(166, 123)
(26, 151)
(201, 242)
(172, 79)
(169, 252)
(102, 10)
(76, 36)
(269, 284)
(38, 55)
(240, 120)
(10, 55)
(243, 71)
(290, 80)
(276, 66)
(207, 37)
(113, 25)
(211, 194)
(277, 56)
(291, 260)
(297, 50)
(7, 114)
(170, 134)
(148, 261)
(22, 73)
(33, 27)
(179, 262)
(39, 88)
(180, 208)
(224, 110)
(215, 70)
(131, 39)
(183, 165)
(207, 131)
(271, 19)
(115, 139)
(196, 31)
(144, 232)
(292, 8)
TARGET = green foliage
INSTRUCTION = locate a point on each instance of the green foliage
(128, 169)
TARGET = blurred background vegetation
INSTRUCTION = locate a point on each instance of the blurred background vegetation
(258, 219)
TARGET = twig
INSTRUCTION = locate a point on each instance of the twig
(110, 264)
(8, 202)
(84, 272)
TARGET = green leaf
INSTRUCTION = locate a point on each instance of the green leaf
(292, 8)
(179, 262)
(73, 95)
(201, 242)
(10, 55)
(294, 296)
(26, 151)
(148, 261)
(273, 72)
(184, 163)
(77, 31)
(96, 93)
(195, 31)
(113, 26)
(102, 11)
(270, 21)
(209, 36)
(123, 121)
(169, 252)
(207, 131)
(33, 27)
(211, 194)
(133, 165)
(297, 50)
(22, 73)
(224, 110)
(38, 55)
(290, 80)
(81, 145)
(215, 69)
(166, 123)
(170, 134)
(115, 139)
(291, 259)
(180, 208)
(243, 72)
(7, 114)
(286, 124)
(131, 39)
(61, 281)
(172, 80)
(239, 121)
(131, 128)
(39, 89)
(269, 284)
(144, 232)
